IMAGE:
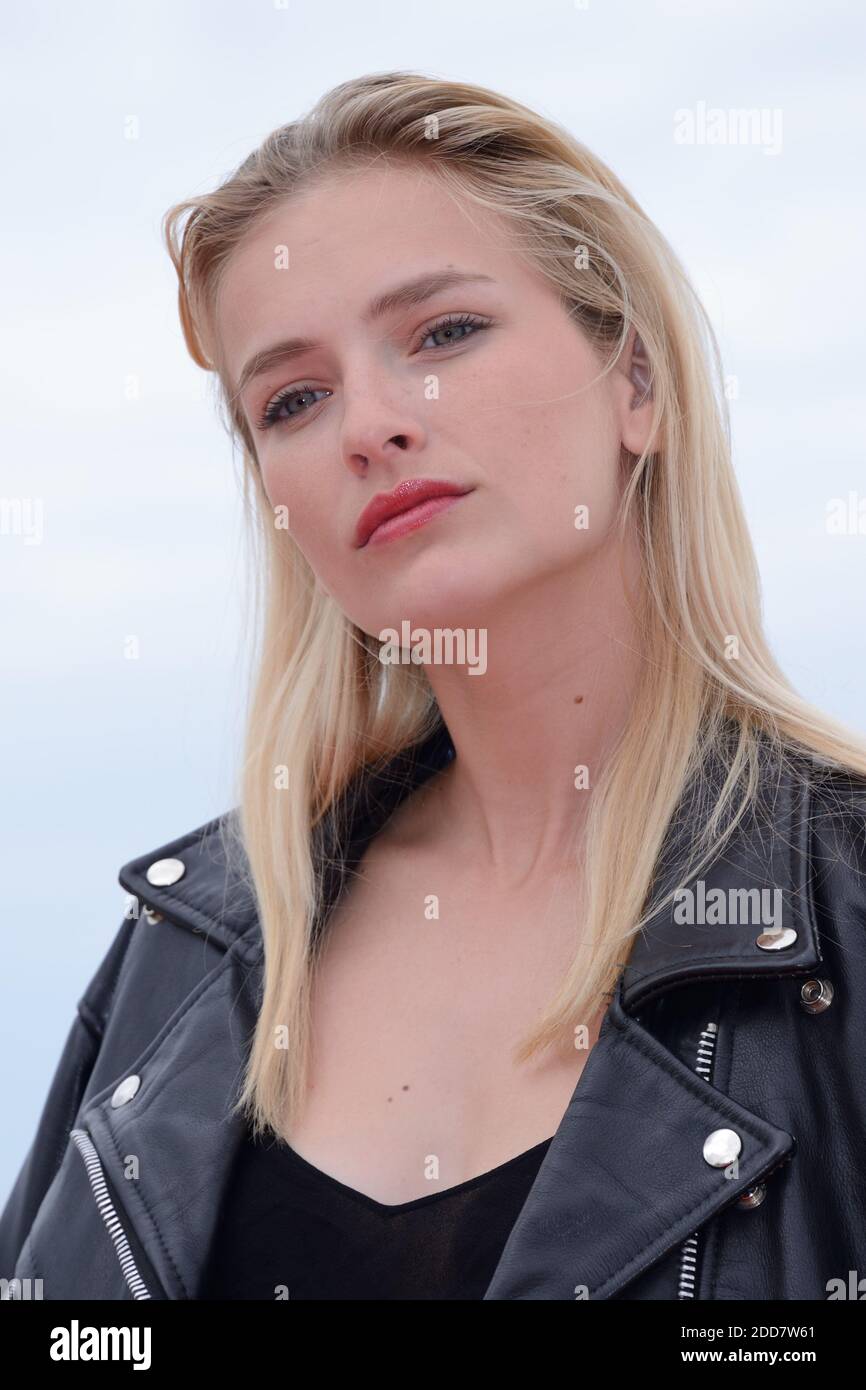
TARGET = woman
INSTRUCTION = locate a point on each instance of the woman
(517, 943)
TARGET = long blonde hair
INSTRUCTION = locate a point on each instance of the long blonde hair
(326, 710)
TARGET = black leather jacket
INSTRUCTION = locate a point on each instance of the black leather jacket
(714, 1147)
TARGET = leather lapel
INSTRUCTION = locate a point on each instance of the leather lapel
(624, 1179)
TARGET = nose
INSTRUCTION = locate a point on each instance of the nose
(378, 432)
(373, 451)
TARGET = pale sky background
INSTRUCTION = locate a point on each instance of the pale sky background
(106, 758)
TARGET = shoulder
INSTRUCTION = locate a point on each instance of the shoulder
(189, 900)
(827, 829)
(830, 798)
(837, 833)
(199, 881)
(804, 831)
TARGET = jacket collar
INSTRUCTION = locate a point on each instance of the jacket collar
(764, 865)
(768, 856)
(215, 894)
(585, 1198)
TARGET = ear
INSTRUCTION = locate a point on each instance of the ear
(635, 399)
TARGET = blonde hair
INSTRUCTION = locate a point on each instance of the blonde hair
(326, 709)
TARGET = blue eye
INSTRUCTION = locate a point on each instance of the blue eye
(453, 322)
(271, 414)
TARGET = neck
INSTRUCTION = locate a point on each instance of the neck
(563, 662)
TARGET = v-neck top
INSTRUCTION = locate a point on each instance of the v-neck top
(287, 1230)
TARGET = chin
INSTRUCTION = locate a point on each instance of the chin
(458, 582)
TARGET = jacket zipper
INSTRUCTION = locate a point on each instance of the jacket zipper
(108, 1212)
(689, 1254)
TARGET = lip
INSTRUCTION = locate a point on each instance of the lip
(408, 500)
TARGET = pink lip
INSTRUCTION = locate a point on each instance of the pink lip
(411, 504)
(410, 521)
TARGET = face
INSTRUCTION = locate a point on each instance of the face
(474, 377)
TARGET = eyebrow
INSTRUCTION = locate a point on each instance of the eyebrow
(404, 296)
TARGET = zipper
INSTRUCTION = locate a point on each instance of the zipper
(108, 1212)
(689, 1252)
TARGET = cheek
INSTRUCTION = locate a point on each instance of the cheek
(554, 453)
(275, 480)
(557, 448)
(546, 399)
(312, 529)
(296, 502)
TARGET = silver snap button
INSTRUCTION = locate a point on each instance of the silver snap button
(747, 1201)
(151, 915)
(816, 996)
(164, 872)
(125, 1091)
(777, 940)
(722, 1147)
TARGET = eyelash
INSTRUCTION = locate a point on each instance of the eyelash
(270, 416)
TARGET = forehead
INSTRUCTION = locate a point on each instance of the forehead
(331, 248)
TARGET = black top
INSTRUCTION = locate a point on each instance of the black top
(288, 1230)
